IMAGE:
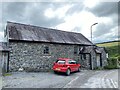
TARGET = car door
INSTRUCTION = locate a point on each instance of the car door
(72, 65)
(75, 65)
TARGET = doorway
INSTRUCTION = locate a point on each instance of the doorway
(86, 61)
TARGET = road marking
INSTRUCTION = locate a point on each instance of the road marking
(108, 83)
(71, 82)
(116, 83)
(103, 83)
(113, 83)
(108, 74)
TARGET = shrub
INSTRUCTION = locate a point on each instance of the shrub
(112, 63)
(98, 68)
(7, 74)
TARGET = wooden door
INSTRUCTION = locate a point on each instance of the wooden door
(98, 60)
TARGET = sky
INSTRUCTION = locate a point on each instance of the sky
(67, 16)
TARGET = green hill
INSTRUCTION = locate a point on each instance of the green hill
(113, 48)
(109, 44)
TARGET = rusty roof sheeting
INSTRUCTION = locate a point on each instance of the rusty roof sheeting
(25, 32)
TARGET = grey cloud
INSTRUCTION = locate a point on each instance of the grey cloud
(105, 38)
(77, 7)
(105, 9)
(102, 29)
(15, 11)
(37, 17)
(76, 29)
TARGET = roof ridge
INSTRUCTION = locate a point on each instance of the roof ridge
(42, 27)
(53, 35)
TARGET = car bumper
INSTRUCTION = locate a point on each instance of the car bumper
(59, 69)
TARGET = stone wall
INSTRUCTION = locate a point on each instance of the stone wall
(91, 51)
(0, 62)
(103, 57)
(85, 61)
(30, 57)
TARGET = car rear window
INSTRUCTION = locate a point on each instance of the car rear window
(72, 62)
(60, 61)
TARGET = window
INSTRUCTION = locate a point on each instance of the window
(81, 49)
(78, 49)
(84, 56)
(72, 62)
(75, 50)
(46, 50)
(61, 62)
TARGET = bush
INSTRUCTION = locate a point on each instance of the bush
(112, 63)
(110, 67)
(98, 68)
(7, 74)
(119, 61)
(113, 51)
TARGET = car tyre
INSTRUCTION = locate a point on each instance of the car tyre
(68, 72)
(55, 72)
(79, 69)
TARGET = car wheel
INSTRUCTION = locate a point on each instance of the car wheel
(55, 72)
(68, 72)
(79, 69)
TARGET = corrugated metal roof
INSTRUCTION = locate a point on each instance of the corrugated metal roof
(25, 32)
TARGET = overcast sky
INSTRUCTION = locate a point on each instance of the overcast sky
(67, 16)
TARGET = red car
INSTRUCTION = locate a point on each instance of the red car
(66, 65)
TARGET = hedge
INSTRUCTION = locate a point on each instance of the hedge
(112, 63)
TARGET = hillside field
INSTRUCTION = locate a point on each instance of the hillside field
(109, 44)
(113, 48)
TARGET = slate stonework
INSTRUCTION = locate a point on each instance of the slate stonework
(30, 57)
(27, 53)
(104, 58)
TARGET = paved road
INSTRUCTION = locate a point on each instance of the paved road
(0, 82)
(83, 79)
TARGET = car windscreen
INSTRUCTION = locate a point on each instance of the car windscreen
(60, 61)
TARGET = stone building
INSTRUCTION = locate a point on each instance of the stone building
(34, 48)
(4, 52)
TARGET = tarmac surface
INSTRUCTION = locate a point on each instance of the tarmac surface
(83, 79)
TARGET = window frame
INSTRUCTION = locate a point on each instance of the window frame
(75, 49)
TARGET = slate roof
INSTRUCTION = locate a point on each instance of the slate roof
(25, 32)
(3, 47)
(97, 51)
(101, 49)
(87, 49)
